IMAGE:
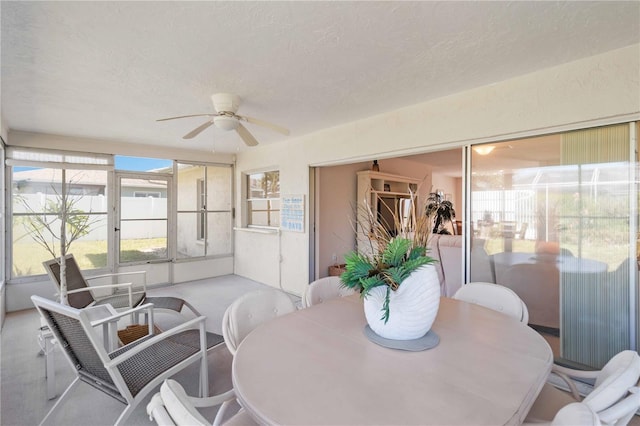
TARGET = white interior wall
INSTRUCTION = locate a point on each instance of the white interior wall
(3, 128)
(334, 229)
(338, 196)
(592, 91)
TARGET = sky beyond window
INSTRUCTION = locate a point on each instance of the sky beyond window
(140, 164)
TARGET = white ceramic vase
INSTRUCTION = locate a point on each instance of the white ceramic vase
(412, 307)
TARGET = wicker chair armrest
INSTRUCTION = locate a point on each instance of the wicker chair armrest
(157, 338)
(121, 274)
(118, 315)
(97, 287)
(115, 274)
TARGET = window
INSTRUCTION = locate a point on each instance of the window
(263, 199)
(552, 219)
(143, 164)
(146, 194)
(204, 201)
(143, 220)
(48, 187)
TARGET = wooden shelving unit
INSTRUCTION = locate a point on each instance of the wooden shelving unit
(371, 194)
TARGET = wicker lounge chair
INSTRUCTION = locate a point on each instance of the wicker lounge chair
(128, 373)
(119, 295)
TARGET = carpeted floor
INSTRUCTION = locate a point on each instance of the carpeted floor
(23, 384)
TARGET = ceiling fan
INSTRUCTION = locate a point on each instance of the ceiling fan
(225, 118)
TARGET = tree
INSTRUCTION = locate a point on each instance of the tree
(74, 223)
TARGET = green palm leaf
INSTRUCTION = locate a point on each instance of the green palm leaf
(417, 252)
(371, 282)
(357, 268)
(395, 252)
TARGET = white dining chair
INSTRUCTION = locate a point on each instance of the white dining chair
(574, 414)
(496, 297)
(251, 310)
(614, 396)
(324, 289)
(173, 407)
(620, 413)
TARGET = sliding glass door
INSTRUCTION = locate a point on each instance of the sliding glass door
(553, 218)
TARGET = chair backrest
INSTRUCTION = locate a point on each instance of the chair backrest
(574, 414)
(324, 289)
(620, 413)
(525, 313)
(613, 381)
(80, 343)
(251, 310)
(173, 407)
(75, 280)
(494, 296)
(177, 406)
(537, 284)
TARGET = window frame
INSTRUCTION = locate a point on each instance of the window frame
(201, 195)
(249, 199)
(66, 161)
(203, 210)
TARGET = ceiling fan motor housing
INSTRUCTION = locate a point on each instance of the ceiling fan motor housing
(225, 102)
(225, 122)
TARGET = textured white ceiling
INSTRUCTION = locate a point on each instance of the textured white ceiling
(109, 69)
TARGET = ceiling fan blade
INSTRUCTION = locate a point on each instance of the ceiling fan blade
(195, 132)
(246, 136)
(186, 116)
(263, 123)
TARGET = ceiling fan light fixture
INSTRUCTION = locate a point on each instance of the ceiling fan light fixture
(225, 123)
(484, 149)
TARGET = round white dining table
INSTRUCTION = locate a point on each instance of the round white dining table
(316, 367)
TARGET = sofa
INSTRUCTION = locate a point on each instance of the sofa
(447, 250)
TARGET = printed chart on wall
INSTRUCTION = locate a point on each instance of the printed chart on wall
(292, 213)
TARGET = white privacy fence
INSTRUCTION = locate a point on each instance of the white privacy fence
(95, 206)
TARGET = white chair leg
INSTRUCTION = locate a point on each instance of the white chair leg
(125, 414)
(64, 394)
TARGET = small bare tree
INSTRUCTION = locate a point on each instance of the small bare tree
(42, 227)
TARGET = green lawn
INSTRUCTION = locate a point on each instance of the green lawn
(28, 256)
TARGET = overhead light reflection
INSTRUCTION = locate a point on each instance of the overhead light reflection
(484, 149)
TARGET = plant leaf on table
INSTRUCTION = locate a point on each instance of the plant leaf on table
(393, 257)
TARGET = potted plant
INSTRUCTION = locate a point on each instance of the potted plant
(396, 278)
(442, 212)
